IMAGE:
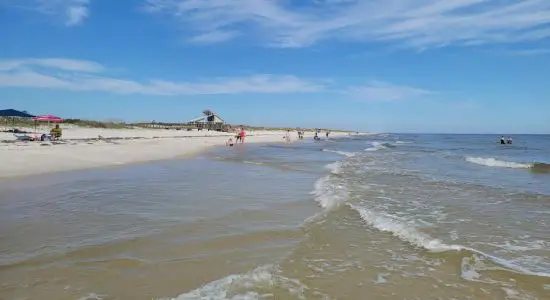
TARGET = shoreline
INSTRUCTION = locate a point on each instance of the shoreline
(113, 148)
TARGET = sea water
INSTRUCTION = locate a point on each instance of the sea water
(385, 216)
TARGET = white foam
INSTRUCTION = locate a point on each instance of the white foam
(92, 296)
(513, 294)
(381, 278)
(378, 146)
(493, 162)
(403, 142)
(252, 162)
(335, 167)
(411, 235)
(467, 269)
(344, 153)
(328, 194)
(403, 231)
(233, 286)
(252, 285)
(519, 246)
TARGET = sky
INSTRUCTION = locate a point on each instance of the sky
(457, 66)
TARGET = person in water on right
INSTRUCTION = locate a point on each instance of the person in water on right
(509, 140)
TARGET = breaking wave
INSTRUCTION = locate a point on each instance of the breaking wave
(493, 162)
(328, 192)
(344, 153)
(380, 146)
(419, 239)
(256, 284)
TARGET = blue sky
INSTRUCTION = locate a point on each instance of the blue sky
(372, 65)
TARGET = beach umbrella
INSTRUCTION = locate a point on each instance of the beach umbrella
(48, 118)
(14, 113)
(6, 113)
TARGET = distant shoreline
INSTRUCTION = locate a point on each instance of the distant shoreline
(85, 148)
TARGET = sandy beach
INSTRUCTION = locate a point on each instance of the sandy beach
(83, 148)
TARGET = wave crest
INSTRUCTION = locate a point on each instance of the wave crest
(380, 146)
(252, 285)
(329, 193)
(493, 162)
(416, 238)
(344, 153)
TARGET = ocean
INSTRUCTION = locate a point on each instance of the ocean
(385, 216)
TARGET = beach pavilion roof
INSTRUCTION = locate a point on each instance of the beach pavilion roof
(14, 113)
(204, 119)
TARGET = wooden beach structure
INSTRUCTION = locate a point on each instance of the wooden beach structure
(209, 121)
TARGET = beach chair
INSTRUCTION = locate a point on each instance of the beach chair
(56, 134)
(23, 137)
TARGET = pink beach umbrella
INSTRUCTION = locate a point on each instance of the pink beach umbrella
(48, 118)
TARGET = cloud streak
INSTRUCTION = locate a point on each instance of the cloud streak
(527, 52)
(416, 24)
(73, 12)
(56, 63)
(79, 75)
(383, 91)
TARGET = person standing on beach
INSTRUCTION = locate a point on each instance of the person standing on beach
(316, 137)
(287, 136)
(238, 136)
(242, 135)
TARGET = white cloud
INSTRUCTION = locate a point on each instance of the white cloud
(382, 91)
(79, 75)
(73, 12)
(214, 37)
(55, 63)
(76, 14)
(409, 23)
(527, 52)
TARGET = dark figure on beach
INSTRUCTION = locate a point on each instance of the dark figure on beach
(316, 137)
(502, 140)
(509, 140)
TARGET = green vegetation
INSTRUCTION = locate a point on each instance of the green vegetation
(96, 124)
(21, 122)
